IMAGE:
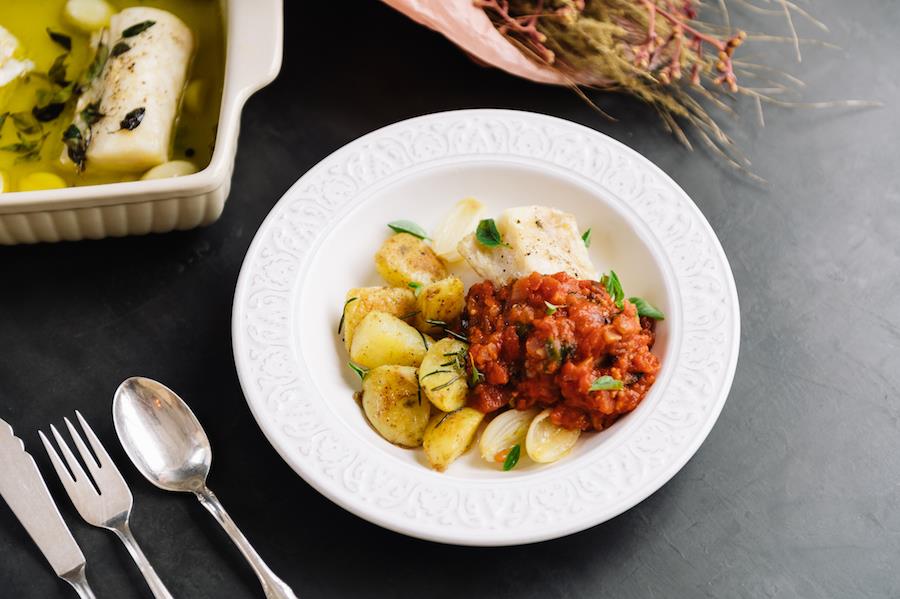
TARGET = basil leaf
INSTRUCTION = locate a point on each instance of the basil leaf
(133, 119)
(119, 49)
(551, 308)
(645, 308)
(361, 371)
(488, 235)
(614, 288)
(606, 383)
(407, 226)
(138, 28)
(586, 238)
(512, 458)
(60, 38)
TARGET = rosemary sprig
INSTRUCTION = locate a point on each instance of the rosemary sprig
(447, 384)
(344, 313)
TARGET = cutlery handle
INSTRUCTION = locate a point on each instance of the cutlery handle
(156, 585)
(274, 587)
(79, 582)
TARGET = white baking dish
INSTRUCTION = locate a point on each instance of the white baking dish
(254, 34)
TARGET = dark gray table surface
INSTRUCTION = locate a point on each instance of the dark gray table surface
(794, 493)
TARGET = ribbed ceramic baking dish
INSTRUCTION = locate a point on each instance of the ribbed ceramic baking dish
(254, 35)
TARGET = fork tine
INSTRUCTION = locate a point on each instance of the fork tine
(63, 474)
(86, 456)
(96, 445)
(77, 472)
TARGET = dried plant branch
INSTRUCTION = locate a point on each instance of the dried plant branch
(663, 53)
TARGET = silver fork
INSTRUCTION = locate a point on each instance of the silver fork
(111, 507)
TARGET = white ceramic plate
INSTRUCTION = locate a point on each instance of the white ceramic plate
(319, 241)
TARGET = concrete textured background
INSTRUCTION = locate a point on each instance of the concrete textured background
(794, 493)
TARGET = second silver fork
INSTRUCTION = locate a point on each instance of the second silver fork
(111, 507)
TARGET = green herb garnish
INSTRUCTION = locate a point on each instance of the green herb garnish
(446, 327)
(424, 340)
(91, 113)
(138, 28)
(512, 458)
(425, 376)
(488, 235)
(475, 376)
(409, 315)
(57, 71)
(441, 421)
(606, 383)
(96, 66)
(361, 371)
(456, 335)
(586, 238)
(25, 146)
(76, 147)
(407, 226)
(133, 119)
(119, 49)
(553, 350)
(551, 308)
(49, 112)
(645, 308)
(416, 287)
(447, 384)
(3, 119)
(60, 38)
(344, 313)
(25, 123)
(613, 288)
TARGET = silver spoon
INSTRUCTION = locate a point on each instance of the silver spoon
(165, 441)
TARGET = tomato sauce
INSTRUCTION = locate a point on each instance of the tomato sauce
(543, 340)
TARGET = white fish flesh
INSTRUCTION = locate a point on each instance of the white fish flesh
(139, 88)
(538, 239)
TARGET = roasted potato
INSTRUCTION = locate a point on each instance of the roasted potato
(442, 374)
(448, 436)
(381, 338)
(394, 406)
(405, 259)
(441, 301)
(362, 300)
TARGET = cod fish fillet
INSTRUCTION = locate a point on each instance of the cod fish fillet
(540, 239)
(141, 81)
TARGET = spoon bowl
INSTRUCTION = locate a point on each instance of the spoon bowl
(161, 435)
(165, 441)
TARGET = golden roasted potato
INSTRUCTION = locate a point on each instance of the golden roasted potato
(362, 300)
(405, 259)
(442, 374)
(381, 338)
(394, 406)
(441, 301)
(448, 436)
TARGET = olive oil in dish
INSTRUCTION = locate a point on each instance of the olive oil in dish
(47, 51)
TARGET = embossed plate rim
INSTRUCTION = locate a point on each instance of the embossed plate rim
(453, 527)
